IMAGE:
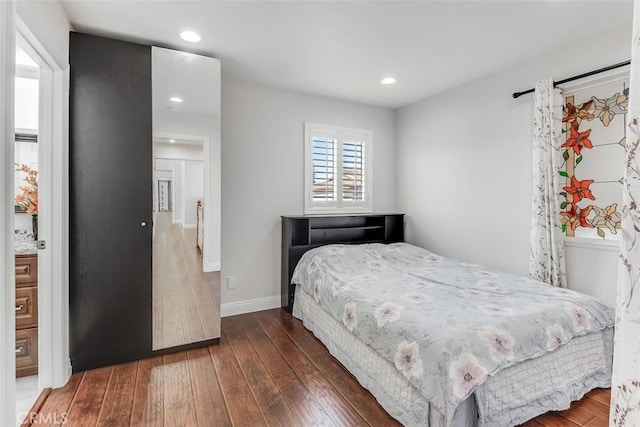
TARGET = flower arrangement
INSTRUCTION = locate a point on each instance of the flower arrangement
(28, 199)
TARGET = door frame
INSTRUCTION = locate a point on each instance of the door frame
(7, 259)
(169, 194)
(54, 367)
(156, 196)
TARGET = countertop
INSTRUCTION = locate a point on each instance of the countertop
(25, 247)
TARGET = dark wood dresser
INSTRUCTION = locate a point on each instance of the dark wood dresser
(26, 315)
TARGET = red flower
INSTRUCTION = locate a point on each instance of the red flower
(578, 140)
(575, 115)
(579, 189)
(576, 216)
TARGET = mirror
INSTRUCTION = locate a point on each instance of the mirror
(186, 198)
(27, 88)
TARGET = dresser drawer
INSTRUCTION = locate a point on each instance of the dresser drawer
(26, 270)
(26, 307)
(26, 352)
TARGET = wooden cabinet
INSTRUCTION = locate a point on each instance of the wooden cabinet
(26, 315)
(27, 307)
(26, 269)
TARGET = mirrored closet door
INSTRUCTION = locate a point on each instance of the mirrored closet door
(186, 202)
(144, 200)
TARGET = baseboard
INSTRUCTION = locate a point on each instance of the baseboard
(249, 306)
(208, 267)
(188, 226)
(63, 377)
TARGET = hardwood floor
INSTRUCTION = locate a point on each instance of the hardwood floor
(185, 300)
(267, 370)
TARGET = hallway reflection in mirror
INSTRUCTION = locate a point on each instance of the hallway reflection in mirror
(186, 192)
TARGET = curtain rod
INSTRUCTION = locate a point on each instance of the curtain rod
(579, 76)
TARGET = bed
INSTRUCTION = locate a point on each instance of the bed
(442, 343)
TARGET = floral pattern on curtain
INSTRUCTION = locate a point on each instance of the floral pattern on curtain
(546, 261)
(625, 391)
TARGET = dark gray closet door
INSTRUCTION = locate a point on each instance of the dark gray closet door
(110, 144)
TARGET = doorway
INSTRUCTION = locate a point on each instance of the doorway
(52, 176)
(164, 196)
(185, 298)
(26, 183)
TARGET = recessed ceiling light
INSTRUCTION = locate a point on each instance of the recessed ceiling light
(190, 36)
(175, 99)
(388, 81)
(172, 140)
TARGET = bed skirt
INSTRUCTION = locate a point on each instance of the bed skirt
(513, 396)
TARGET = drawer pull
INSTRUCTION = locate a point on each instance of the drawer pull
(19, 350)
(19, 307)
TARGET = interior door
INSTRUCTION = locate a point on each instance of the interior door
(110, 150)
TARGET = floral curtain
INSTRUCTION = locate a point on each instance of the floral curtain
(625, 390)
(546, 261)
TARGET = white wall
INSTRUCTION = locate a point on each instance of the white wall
(193, 190)
(22, 221)
(48, 22)
(177, 151)
(465, 167)
(262, 176)
(26, 104)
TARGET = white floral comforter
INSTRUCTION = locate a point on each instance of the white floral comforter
(444, 324)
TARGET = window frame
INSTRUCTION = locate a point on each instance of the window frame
(338, 206)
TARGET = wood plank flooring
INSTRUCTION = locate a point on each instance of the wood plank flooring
(268, 370)
(186, 301)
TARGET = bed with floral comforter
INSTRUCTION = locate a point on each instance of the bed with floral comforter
(451, 328)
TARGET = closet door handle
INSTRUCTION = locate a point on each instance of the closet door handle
(19, 307)
(19, 350)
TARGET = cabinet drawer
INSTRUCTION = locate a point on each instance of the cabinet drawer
(26, 307)
(26, 270)
(26, 352)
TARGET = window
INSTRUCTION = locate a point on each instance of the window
(337, 169)
(593, 153)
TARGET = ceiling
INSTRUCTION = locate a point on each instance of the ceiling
(342, 49)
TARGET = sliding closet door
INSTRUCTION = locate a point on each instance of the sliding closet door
(110, 143)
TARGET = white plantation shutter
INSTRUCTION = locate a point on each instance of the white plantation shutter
(324, 168)
(353, 172)
(337, 169)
